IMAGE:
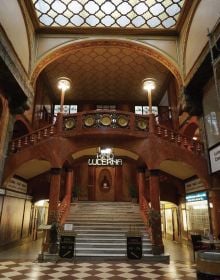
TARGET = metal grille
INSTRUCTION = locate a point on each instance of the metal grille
(161, 14)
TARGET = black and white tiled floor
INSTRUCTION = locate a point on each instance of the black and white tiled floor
(22, 270)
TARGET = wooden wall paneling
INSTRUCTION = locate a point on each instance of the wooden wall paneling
(11, 221)
(26, 219)
(1, 206)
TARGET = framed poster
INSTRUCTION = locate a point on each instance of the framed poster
(214, 156)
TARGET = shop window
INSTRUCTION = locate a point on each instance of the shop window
(67, 109)
(198, 216)
(144, 110)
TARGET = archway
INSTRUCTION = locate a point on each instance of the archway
(99, 181)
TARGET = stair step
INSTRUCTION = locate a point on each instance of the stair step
(101, 228)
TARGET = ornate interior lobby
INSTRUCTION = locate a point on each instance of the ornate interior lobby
(109, 138)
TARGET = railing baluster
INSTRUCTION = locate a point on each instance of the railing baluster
(32, 138)
(45, 132)
(13, 147)
(159, 132)
(51, 132)
(19, 144)
(185, 142)
(25, 140)
(165, 133)
(179, 138)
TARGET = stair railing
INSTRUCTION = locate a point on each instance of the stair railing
(144, 213)
(63, 210)
(179, 139)
(32, 138)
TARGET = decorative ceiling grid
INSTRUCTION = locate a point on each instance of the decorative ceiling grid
(106, 74)
(157, 14)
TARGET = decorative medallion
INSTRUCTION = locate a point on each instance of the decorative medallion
(69, 123)
(142, 124)
(89, 120)
(106, 120)
(122, 121)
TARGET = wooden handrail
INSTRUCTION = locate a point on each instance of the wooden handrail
(63, 210)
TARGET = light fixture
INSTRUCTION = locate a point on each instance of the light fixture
(106, 151)
(63, 84)
(149, 84)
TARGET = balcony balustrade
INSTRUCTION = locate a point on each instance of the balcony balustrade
(109, 122)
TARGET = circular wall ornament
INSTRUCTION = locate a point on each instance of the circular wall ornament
(89, 120)
(106, 120)
(69, 123)
(122, 121)
(142, 124)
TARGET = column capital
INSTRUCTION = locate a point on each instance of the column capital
(55, 171)
(141, 169)
(154, 172)
(68, 169)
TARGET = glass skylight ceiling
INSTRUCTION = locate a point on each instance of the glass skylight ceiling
(159, 14)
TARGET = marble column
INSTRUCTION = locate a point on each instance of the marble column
(154, 216)
(141, 186)
(215, 212)
(54, 195)
(69, 184)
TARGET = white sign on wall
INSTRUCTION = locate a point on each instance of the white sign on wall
(214, 155)
(194, 186)
(16, 185)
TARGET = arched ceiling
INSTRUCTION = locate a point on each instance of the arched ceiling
(106, 74)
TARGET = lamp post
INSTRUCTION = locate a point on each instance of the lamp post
(149, 84)
(63, 84)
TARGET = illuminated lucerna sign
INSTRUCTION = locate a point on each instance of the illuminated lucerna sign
(105, 158)
(196, 196)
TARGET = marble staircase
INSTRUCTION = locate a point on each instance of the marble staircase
(101, 228)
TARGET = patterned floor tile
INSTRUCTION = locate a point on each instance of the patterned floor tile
(96, 271)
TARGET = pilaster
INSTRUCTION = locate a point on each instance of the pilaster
(154, 213)
(54, 195)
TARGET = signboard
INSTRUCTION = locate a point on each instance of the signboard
(18, 195)
(104, 160)
(68, 227)
(2, 191)
(199, 196)
(194, 185)
(17, 185)
(67, 246)
(134, 247)
(214, 155)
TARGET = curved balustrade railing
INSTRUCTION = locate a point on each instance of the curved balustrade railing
(32, 138)
(109, 122)
(179, 139)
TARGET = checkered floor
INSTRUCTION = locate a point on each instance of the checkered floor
(96, 270)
